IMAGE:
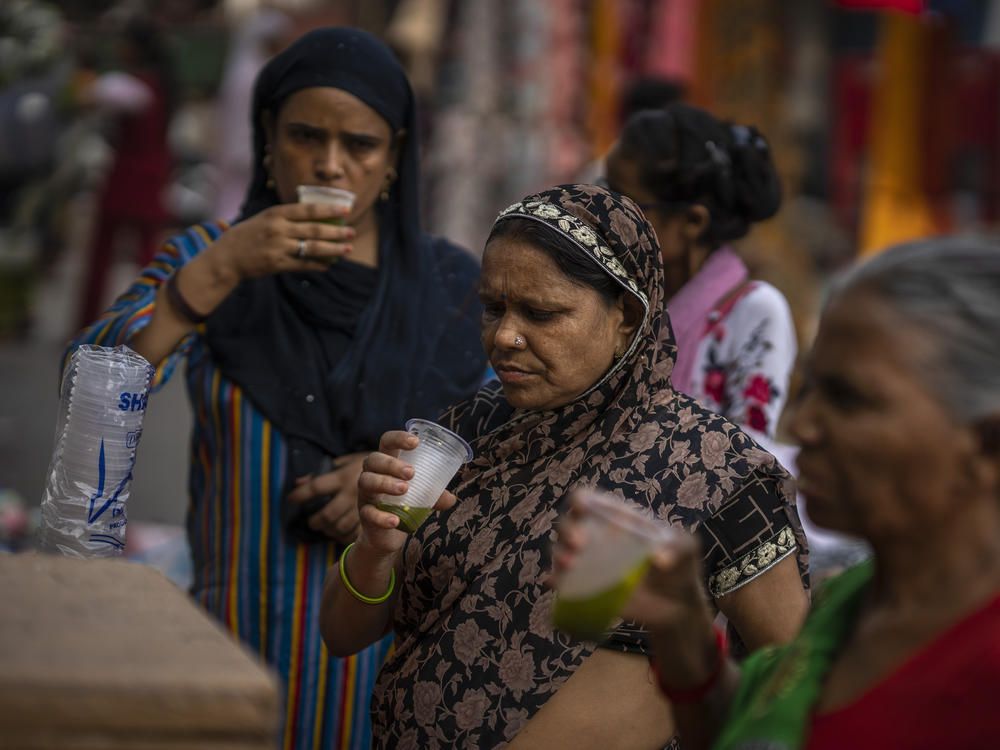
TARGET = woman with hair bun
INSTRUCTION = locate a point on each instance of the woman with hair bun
(703, 183)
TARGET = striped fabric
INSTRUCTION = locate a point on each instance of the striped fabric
(263, 589)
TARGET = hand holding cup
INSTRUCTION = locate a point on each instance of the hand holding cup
(406, 479)
(286, 237)
(603, 552)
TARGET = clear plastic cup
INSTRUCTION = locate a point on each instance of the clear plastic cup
(437, 457)
(328, 196)
(619, 541)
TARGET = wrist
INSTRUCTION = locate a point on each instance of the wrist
(368, 569)
(692, 683)
(178, 301)
(221, 266)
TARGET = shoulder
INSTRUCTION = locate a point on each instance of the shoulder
(762, 300)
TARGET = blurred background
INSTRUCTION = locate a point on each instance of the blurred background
(884, 118)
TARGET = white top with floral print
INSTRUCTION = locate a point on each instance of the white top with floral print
(745, 358)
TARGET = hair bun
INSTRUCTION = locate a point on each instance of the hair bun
(755, 181)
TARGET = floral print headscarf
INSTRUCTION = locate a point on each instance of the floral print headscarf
(475, 653)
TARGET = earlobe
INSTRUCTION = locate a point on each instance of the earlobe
(631, 312)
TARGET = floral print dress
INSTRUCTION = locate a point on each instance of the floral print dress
(744, 358)
(475, 652)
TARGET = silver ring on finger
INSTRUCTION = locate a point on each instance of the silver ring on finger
(301, 252)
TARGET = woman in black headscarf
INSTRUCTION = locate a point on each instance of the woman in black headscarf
(305, 341)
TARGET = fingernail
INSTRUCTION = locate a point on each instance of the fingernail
(348, 248)
(401, 486)
(408, 471)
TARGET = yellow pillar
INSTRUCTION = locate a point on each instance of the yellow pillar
(604, 89)
(895, 208)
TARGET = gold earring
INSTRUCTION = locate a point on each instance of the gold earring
(618, 355)
(390, 178)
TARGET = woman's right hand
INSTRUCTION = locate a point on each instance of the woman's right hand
(384, 474)
(268, 243)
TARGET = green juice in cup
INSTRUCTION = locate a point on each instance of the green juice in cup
(330, 197)
(589, 617)
(438, 456)
(409, 518)
(620, 540)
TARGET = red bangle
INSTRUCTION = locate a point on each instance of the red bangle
(697, 693)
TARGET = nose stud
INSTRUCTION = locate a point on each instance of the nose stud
(518, 341)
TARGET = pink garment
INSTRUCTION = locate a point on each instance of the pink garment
(690, 307)
(671, 51)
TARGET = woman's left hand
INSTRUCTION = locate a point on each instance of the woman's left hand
(338, 519)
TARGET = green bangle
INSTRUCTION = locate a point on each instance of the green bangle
(357, 594)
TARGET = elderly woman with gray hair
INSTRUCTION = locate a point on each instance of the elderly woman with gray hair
(900, 432)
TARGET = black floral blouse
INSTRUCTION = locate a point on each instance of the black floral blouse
(475, 654)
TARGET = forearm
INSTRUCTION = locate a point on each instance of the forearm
(348, 624)
(203, 284)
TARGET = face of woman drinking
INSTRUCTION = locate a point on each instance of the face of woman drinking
(881, 455)
(326, 136)
(547, 337)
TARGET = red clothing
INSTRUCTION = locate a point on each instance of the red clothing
(132, 197)
(946, 696)
(141, 166)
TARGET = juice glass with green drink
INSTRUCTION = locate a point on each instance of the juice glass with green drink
(328, 196)
(439, 454)
(593, 591)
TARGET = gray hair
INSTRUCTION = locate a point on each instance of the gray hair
(950, 287)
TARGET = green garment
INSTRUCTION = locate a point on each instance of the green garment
(781, 684)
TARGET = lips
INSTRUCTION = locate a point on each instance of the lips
(509, 373)
(810, 483)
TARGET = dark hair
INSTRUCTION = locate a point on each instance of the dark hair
(950, 289)
(650, 92)
(570, 259)
(687, 156)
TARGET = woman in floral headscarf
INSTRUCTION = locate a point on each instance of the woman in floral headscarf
(571, 287)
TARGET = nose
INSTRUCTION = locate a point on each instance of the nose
(506, 335)
(329, 162)
(803, 424)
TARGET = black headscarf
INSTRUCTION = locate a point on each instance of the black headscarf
(334, 359)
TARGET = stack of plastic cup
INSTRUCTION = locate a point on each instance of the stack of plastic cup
(437, 457)
(102, 403)
(619, 542)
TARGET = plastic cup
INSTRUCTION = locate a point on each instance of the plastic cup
(437, 457)
(592, 593)
(328, 196)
